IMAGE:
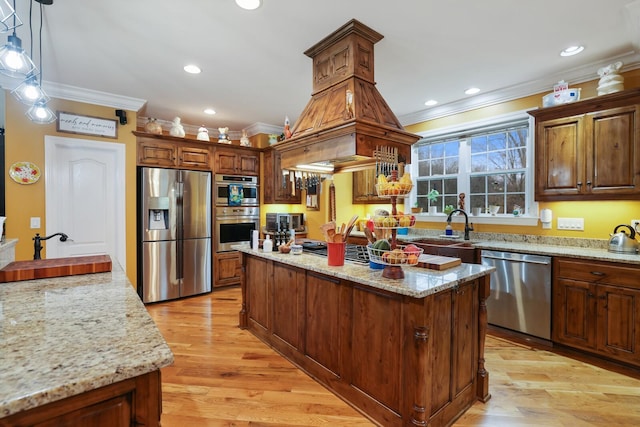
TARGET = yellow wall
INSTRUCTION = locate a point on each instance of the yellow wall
(24, 141)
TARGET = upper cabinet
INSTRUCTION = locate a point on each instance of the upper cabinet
(277, 187)
(171, 152)
(236, 161)
(364, 187)
(588, 150)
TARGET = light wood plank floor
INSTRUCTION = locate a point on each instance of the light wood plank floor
(224, 376)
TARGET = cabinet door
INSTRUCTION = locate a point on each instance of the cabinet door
(619, 323)
(193, 157)
(249, 164)
(574, 311)
(559, 158)
(259, 272)
(613, 150)
(157, 154)
(225, 161)
(227, 269)
(364, 187)
(288, 306)
(278, 187)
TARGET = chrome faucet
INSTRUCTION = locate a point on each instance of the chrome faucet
(37, 243)
(467, 227)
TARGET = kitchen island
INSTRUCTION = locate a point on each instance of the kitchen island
(79, 350)
(403, 352)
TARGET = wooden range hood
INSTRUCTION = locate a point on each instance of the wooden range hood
(346, 118)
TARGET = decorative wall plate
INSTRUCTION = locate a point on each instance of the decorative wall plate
(24, 172)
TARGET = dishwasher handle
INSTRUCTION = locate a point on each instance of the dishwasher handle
(525, 261)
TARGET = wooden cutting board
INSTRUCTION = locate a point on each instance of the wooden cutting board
(437, 262)
(54, 267)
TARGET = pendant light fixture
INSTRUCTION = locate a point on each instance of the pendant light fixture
(32, 88)
(40, 113)
(8, 18)
(14, 61)
(29, 91)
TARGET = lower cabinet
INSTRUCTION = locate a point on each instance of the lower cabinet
(596, 307)
(133, 402)
(398, 359)
(227, 268)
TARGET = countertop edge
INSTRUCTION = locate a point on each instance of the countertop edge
(417, 283)
(102, 369)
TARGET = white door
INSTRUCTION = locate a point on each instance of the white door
(85, 198)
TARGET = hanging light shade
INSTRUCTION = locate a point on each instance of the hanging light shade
(14, 61)
(29, 91)
(8, 17)
(41, 114)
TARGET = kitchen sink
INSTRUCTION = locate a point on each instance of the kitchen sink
(447, 247)
(442, 242)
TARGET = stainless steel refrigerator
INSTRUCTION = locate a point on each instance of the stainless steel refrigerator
(174, 246)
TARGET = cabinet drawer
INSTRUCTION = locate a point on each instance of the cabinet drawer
(598, 272)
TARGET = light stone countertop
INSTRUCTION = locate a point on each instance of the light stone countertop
(417, 282)
(591, 249)
(65, 336)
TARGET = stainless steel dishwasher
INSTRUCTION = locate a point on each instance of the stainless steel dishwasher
(520, 297)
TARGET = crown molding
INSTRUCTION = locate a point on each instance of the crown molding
(573, 76)
(89, 96)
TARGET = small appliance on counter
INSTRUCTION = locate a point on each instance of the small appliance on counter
(621, 243)
(285, 221)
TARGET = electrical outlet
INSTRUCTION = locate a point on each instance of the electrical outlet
(576, 224)
(35, 222)
(635, 223)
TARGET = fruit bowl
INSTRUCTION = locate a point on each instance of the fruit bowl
(389, 189)
(402, 255)
(394, 221)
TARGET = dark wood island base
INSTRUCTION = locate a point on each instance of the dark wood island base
(399, 359)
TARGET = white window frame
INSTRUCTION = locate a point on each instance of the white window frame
(529, 218)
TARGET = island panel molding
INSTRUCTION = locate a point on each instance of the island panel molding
(86, 125)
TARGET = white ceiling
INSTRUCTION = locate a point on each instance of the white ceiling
(254, 69)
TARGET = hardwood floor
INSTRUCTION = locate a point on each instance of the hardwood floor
(224, 376)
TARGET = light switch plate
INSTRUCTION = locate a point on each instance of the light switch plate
(35, 222)
(576, 224)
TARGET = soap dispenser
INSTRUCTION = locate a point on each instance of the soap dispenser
(448, 231)
(267, 245)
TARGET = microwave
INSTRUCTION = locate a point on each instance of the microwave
(285, 221)
(236, 190)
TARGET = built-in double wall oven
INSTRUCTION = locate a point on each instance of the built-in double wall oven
(237, 211)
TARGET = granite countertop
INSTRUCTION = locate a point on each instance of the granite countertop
(592, 249)
(418, 282)
(65, 336)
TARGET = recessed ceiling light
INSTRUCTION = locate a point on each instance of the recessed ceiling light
(249, 4)
(209, 111)
(192, 69)
(572, 50)
(431, 103)
(472, 91)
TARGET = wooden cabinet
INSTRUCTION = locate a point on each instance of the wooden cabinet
(237, 161)
(227, 268)
(364, 187)
(276, 186)
(596, 307)
(400, 360)
(171, 152)
(133, 402)
(589, 149)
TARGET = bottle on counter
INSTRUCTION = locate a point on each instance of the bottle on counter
(267, 245)
(448, 231)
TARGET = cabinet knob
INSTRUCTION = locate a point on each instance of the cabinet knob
(579, 184)
(588, 182)
(597, 273)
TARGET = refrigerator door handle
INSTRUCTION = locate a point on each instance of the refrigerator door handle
(179, 259)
